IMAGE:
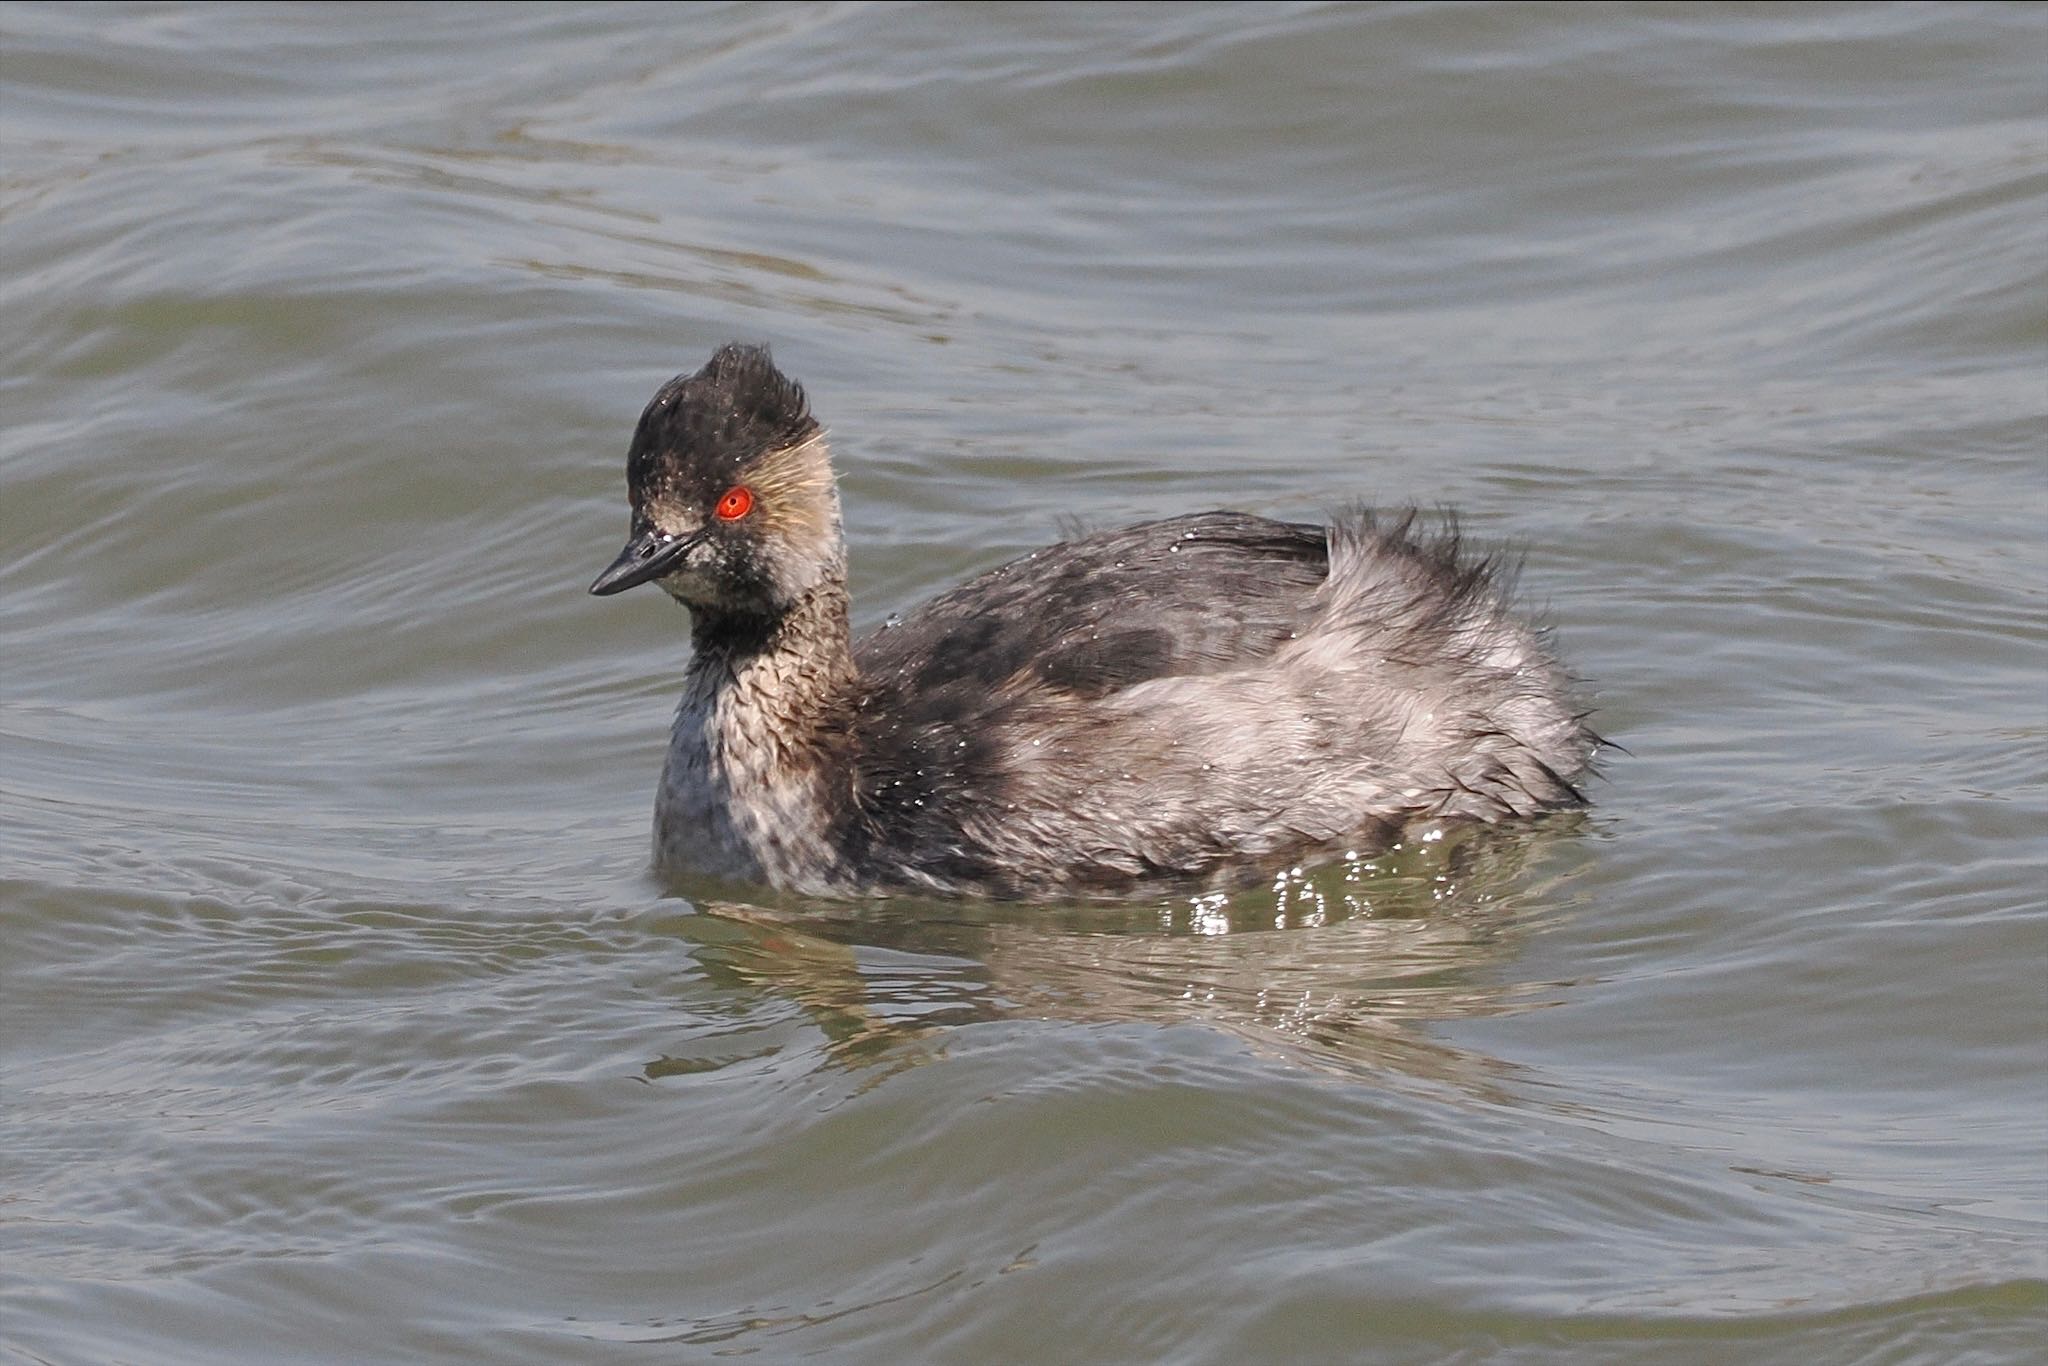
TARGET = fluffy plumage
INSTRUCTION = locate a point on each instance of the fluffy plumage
(1187, 700)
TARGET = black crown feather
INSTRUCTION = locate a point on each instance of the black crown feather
(738, 406)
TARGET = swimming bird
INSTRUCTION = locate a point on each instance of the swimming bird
(1194, 700)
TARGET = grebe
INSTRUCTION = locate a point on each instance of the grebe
(1192, 700)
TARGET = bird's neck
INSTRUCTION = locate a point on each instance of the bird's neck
(784, 673)
(759, 747)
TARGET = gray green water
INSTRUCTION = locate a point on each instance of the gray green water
(341, 1021)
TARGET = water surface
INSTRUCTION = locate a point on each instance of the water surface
(341, 1020)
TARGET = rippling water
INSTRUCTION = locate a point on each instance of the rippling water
(340, 1019)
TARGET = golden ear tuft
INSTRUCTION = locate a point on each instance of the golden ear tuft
(793, 486)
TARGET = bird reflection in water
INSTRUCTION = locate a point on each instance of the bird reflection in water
(1337, 968)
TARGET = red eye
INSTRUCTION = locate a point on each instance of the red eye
(737, 503)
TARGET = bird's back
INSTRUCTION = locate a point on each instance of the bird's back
(1185, 697)
(1187, 595)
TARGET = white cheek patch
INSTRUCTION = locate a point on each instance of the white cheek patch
(671, 517)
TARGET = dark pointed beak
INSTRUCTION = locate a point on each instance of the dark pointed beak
(649, 555)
